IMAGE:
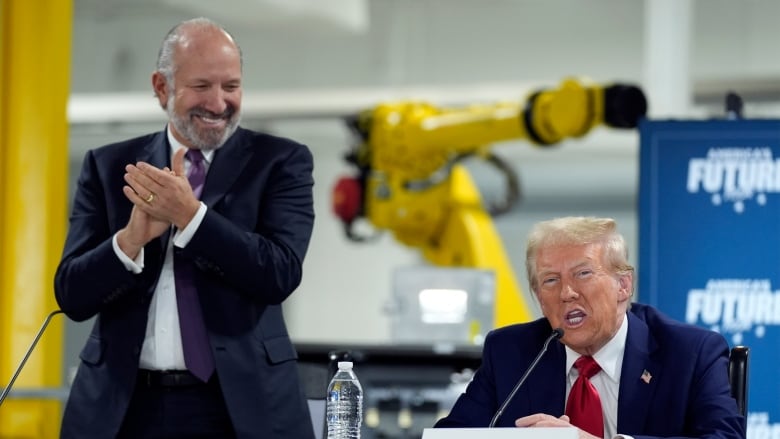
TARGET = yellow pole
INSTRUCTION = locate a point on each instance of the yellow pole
(35, 44)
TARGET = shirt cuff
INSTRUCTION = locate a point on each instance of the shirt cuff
(137, 265)
(183, 236)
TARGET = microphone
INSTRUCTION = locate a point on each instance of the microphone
(27, 355)
(556, 334)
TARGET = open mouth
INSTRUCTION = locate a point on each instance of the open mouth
(574, 317)
(210, 121)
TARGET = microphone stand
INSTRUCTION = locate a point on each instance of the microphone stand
(7, 389)
(556, 334)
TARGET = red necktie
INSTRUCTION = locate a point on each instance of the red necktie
(194, 337)
(584, 405)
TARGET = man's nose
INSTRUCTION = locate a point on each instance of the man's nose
(568, 292)
(216, 101)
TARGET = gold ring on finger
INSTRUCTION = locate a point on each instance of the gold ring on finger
(150, 198)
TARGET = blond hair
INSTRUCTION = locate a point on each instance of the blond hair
(578, 230)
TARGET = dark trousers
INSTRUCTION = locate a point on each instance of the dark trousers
(176, 405)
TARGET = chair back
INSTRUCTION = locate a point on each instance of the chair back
(315, 378)
(738, 376)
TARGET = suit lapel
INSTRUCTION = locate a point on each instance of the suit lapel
(637, 382)
(229, 161)
(157, 152)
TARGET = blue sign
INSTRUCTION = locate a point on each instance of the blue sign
(709, 240)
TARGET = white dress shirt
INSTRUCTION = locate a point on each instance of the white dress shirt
(607, 380)
(162, 347)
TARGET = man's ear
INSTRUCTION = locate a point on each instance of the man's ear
(160, 87)
(626, 283)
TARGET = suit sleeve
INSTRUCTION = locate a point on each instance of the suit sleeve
(266, 263)
(90, 276)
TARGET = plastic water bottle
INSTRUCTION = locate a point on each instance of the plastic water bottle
(345, 404)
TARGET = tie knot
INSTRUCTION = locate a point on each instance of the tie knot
(195, 156)
(587, 366)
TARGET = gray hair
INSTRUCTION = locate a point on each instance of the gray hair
(165, 62)
(577, 231)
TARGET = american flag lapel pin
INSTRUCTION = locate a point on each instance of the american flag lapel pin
(646, 377)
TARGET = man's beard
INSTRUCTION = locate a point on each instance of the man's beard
(204, 138)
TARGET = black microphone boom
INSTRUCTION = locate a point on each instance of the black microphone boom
(556, 334)
(27, 355)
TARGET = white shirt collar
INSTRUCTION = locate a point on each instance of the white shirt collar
(176, 145)
(610, 357)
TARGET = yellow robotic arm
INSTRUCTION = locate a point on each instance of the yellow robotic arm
(409, 181)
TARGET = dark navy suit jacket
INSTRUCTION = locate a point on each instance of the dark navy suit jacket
(249, 251)
(687, 395)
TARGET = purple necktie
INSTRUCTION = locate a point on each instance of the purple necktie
(195, 341)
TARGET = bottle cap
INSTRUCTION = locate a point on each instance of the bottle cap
(345, 365)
